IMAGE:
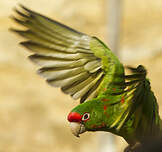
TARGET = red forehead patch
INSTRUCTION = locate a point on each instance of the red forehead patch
(74, 117)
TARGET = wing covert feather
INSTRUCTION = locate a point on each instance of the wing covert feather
(69, 59)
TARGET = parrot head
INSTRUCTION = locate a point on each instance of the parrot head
(88, 116)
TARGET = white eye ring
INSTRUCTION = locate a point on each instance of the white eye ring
(85, 116)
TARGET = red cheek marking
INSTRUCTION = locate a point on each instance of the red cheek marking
(103, 124)
(104, 99)
(105, 89)
(74, 117)
(122, 99)
(94, 126)
(105, 113)
(105, 107)
(114, 89)
(100, 126)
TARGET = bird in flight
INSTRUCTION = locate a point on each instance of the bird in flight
(86, 69)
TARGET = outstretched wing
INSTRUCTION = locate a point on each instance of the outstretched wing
(143, 105)
(139, 105)
(74, 61)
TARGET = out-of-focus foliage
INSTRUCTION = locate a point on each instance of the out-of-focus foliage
(32, 114)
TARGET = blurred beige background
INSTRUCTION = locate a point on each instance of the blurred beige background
(32, 114)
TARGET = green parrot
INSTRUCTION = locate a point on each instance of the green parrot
(86, 69)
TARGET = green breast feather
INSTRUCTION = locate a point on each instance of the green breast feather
(86, 69)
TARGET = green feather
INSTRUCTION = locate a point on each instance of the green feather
(85, 68)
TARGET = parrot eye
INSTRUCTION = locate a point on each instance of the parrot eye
(86, 116)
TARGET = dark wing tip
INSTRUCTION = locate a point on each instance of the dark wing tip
(15, 31)
(139, 69)
(26, 44)
(12, 29)
(22, 13)
(20, 21)
(23, 7)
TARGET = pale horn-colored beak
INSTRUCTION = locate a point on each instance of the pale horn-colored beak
(77, 128)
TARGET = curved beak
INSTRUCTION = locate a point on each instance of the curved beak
(77, 128)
